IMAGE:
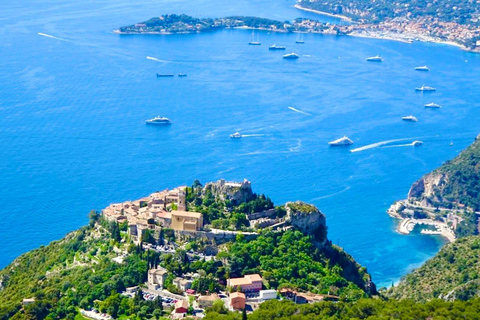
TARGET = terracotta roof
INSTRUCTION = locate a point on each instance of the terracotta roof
(164, 215)
(191, 214)
(246, 280)
(234, 295)
(254, 277)
(181, 304)
(211, 297)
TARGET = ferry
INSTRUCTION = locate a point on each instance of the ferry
(236, 135)
(292, 55)
(275, 47)
(345, 141)
(410, 118)
(158, 120)
(425, 88)
(417, 143)
(422, 68)
(375, 59)
(299, 38)
(253, 41)
(182, 75)
(432, 105)
(164, 75)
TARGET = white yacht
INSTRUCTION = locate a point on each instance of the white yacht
(375, 59)
(422, 68)
(344, 141)
(299, 38)
(236, 135)
(253, 41)
(410, 118)
(292, 55)
(158, 120)
(432, 105)
(425, 88)
(417, 143)
(275, 47)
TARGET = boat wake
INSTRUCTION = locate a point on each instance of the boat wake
(331, 195)
(52, 37)
(253, 135)
(155, 59)
(399, 145)
(299, 111)
(378, 144)
(297, 147)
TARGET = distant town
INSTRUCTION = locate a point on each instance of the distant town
(427, 28)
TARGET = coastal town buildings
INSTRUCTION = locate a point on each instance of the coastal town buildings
(206, 301)
(237, 300)
(157, 277)
(182, 284)
(186, 221)
(249, 283)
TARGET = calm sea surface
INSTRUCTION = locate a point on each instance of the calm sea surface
(73, 106)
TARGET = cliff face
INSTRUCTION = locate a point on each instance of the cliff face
(308, 219)
(233, 191)
(429, 189)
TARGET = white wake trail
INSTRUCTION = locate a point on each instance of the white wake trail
(378, 144)
(52, 37)
(155, 59)
(253, 135)
(299, 111)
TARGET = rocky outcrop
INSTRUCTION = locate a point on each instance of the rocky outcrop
(429, 188)
(237, 192)
(308, 219)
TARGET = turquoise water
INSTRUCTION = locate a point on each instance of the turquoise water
(73, 137)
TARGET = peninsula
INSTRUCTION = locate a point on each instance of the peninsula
(422, 28)
(446, 200)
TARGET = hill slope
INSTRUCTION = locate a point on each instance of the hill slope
(453, 274)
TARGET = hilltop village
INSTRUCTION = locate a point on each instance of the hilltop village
(165, 223)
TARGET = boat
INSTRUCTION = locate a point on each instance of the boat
(236, 135)
(422, 68)
(344, 141)
(164, 75)
(254, 42)
(432, 105)
(417, 143)
(158, 120)
(182, 75)
(375, 59)
(451, 143)
(299, 38)
(425, 88)
(410, 118)
(292, 55)
(275, 47)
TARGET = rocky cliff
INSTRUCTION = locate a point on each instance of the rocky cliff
(236, 192)
(308, 219)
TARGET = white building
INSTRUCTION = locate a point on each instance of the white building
(268, 294)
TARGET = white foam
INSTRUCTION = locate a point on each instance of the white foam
(299, 111)
(155, 59)
(377, 144)
(52, 37)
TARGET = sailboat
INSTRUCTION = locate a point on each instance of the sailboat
(254, 42)
(299, 38)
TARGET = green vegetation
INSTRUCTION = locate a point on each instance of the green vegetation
(454, 273)
(290, 259)
(302, 207)
(371, 309)
(459, 11)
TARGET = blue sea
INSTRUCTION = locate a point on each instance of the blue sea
(73, 102)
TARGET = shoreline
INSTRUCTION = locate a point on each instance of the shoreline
(407, 225)
(323, 13)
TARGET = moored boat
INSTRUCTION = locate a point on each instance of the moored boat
(375, 59)
(422, 68)
(425, 88)
(158, 120)
(432, 105)
(344, 141)
(292, 55)
(253, 41)
(275, 47)
(410, 118)
(164, 75)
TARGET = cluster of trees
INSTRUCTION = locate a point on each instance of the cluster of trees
(290, 259)
(453, 273)
(222, 214)
(460, 11)
(371, 309)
